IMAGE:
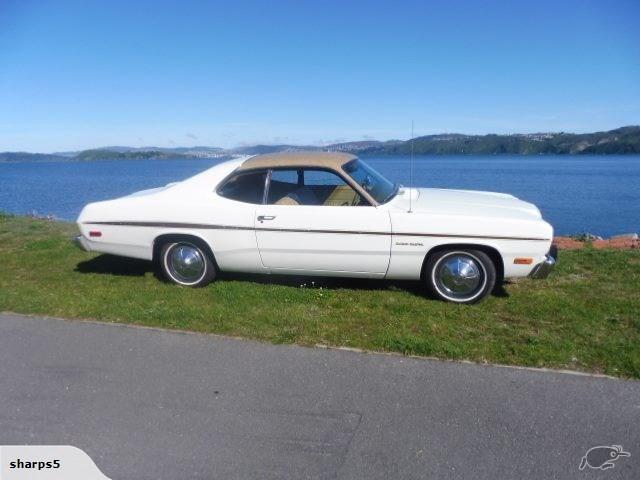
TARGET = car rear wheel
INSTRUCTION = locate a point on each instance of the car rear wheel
(460, 276)
(187, 264)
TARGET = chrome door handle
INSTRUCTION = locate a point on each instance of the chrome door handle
(262, 218)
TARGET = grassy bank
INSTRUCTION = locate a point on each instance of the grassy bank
(585, 316)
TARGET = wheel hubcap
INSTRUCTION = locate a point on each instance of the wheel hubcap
(460, 276)
(186, 263)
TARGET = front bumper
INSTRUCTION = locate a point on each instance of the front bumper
(544, 268)
(82, 243)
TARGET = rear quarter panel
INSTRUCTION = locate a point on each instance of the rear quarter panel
(130, 226)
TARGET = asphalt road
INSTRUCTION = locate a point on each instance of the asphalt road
(151, 404)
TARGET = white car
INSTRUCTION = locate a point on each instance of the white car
(329, 214)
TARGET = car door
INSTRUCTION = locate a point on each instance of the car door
(314, 222)
(231, 233)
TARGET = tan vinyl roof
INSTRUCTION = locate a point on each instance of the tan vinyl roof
(333, 160)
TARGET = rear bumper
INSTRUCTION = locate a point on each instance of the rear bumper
(544, 268)
(82, 243)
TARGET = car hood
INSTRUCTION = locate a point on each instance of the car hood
(464, 202)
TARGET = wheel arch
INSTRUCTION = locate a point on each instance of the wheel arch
(177, 237)
(492, 252)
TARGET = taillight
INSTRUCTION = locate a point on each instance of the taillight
(95, 233)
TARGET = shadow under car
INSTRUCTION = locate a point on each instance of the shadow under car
(106, 264)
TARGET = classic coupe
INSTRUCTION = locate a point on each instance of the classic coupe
(329, 214)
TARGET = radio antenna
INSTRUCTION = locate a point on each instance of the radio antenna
(411, 172)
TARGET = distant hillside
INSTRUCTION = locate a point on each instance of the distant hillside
(29, 157)
(99, 154)
(117, 153)
(183, 150)
(145, 153)
(625, 140)
(620, 141)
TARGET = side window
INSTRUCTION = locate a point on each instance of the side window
(322, 178)
(311, 187)
(283, 186)
(244, 187)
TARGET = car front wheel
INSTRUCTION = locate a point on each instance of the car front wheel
(187, 264)
(460, 276)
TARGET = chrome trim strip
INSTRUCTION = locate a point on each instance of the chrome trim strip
(204, 226)
(267, 185)
(457, 235)
(200, 226)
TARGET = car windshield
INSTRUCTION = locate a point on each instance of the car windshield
(374, 183)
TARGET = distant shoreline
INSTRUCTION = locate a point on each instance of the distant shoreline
(361, 154)
(621, 141)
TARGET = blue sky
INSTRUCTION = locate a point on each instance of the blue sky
(77, 74)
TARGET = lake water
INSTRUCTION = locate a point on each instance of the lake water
(596, 194)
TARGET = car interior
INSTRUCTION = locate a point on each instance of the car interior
(244, 187)
(310, 187)
(292, 187)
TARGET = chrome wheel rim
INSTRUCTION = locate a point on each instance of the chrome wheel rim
(185, 263)
(459, 276)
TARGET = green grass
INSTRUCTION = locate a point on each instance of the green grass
(585, 316)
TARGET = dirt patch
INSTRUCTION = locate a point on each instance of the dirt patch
(569, 243)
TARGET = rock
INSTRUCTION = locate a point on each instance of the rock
(587, 237)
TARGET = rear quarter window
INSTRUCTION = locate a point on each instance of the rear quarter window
(244, 187)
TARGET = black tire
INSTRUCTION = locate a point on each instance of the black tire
(186, 263)
(460, 275)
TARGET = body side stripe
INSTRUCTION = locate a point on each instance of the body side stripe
(203, 226)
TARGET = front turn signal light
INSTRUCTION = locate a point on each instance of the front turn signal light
(523, 260)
